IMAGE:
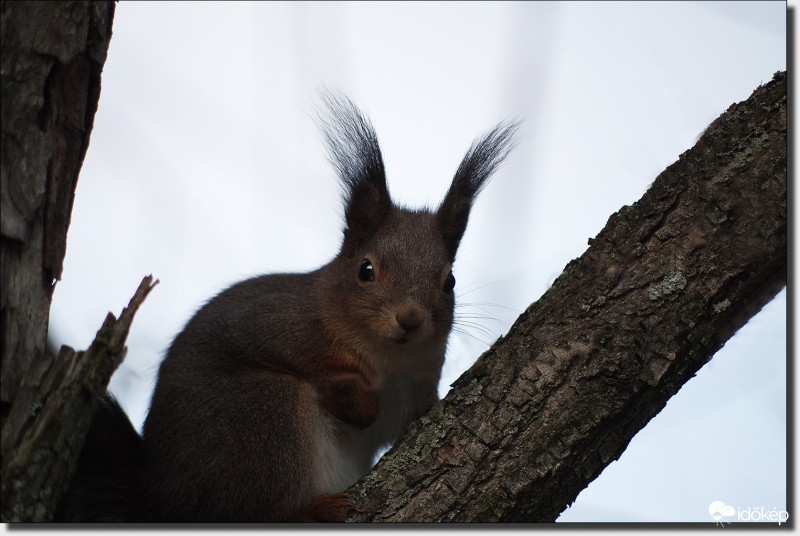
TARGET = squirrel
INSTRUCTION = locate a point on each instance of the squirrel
(279, 391)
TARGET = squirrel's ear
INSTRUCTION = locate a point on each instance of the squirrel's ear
(481, 160)
(354, 152)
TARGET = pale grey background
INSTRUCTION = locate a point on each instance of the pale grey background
(205, 168)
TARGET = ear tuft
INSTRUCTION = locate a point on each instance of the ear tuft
(354, 152)
(481, 161)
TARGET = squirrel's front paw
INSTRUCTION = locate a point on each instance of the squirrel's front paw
(350, 398)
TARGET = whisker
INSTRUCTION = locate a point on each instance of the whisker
(487, 304)
(474, 326)
(477, 316)
(471, 290)
(468, 333)
(478, 313)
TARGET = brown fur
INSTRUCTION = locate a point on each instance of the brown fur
(279, 391)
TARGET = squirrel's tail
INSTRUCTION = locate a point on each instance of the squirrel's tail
(108, 482)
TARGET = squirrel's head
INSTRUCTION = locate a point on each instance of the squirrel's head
(392, 286)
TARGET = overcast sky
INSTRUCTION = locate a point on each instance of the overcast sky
(205, 168)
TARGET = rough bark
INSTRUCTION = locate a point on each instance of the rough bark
(657, 293)
(52, 57)
(55, 419)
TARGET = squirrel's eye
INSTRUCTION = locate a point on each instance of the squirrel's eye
(449, 283)
(366, 272)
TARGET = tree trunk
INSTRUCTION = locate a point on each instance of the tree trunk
(658, 292)
(53, 54)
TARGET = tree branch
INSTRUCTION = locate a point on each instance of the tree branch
(657, 293)
(53, 55)
(49, 439)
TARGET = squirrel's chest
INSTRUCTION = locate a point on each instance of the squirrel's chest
(345, 453)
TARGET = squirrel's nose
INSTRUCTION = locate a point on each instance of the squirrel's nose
(410, 318)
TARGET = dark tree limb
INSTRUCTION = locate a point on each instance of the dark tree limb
(658, 292)
(64, 397)
(52, 57)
